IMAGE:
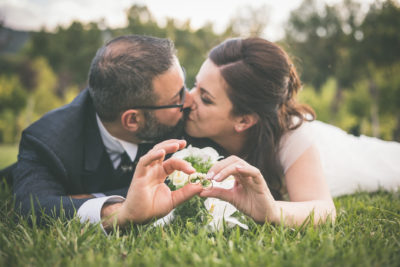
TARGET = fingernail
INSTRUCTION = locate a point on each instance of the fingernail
(209, 175)
(239, 166)
(216, 177)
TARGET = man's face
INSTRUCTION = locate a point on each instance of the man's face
(155, 131)
(165, 123)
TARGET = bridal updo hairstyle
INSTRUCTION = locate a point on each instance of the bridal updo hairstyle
(261, 79)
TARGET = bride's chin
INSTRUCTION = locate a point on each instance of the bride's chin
(189, 129)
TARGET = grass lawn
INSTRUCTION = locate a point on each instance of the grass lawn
(366, 233)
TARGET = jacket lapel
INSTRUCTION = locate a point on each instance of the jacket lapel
(97, 165)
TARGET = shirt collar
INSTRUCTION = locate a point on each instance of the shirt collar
(115, 145)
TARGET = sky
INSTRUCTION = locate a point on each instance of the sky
(34, 14)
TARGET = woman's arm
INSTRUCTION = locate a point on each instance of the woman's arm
(308, 191)
(306, 184)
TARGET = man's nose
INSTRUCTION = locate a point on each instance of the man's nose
(188, 100)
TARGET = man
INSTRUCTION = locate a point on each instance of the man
(79, 156)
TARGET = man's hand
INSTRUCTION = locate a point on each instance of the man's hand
(148, 196)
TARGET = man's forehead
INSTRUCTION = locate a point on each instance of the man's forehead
(167, 85)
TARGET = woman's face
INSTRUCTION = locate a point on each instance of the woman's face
(210, 114)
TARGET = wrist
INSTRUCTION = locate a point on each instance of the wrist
(272, 211)
(111, 215)
(273, 214)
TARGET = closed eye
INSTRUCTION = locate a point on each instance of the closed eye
(206, 100)
(205, 97)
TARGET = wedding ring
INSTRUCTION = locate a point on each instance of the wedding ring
(195, 178)
(200, 178)
(207, 184)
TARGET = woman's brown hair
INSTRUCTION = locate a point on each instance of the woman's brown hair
(262, 80)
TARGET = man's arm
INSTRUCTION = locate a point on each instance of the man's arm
(38, 182)
(116, 192)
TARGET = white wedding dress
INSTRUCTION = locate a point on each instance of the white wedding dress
(350, 163)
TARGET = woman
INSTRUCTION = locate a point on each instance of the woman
(244, 100)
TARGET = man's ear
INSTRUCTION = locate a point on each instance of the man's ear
(244, 122)
(130, 119)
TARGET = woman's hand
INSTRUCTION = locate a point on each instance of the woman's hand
(148, 196)
(306, 185)
(250, 193)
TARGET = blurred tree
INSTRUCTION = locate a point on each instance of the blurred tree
(12, 94)
(387, 80)
(13, 99)
(249, 21)
(323, 37)
(44, 97)
(378, 55)
(141, 21)
(69, 51)
(22, 67)
(343, 42)
(193, 47)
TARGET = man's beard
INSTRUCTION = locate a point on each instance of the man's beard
(154, 131)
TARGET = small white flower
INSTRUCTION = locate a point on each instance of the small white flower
(228, 183)
(205, 154)
(211, 153)
(181, 154)
(179, 178)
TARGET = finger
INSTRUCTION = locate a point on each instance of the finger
(250, 171)
(173, 164)
(220, 165)
(182, 194)
(181, 143)
(151, 156)
(170, 147)
(226, 172)
(221, 193)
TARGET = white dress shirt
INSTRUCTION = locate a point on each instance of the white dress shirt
(91, 209)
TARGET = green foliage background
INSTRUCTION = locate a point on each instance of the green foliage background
(349, 61)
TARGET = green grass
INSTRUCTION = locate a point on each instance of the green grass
(366, 233)
(8, 155)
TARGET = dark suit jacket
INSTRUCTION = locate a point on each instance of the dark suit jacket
(63, 154)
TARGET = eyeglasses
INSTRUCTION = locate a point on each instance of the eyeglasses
(182, 95)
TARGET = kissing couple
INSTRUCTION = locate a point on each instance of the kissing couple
(244, 103)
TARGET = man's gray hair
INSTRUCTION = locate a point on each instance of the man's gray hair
(122, 72)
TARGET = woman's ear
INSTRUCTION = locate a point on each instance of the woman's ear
(244, 122)
(130, 119)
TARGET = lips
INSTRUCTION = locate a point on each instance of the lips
(189, 116)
